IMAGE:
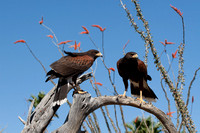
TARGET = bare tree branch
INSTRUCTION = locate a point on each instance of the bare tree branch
(29, 112)
(23, 121)
(84, 104)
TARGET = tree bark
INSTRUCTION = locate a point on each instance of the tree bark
(40, 118)
(84, 104)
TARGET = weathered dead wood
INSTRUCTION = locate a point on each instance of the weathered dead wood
(40, 118)
(84, 104)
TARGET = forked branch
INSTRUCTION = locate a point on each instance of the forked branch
(40, 118)
(84, 104)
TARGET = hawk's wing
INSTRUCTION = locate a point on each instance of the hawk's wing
(69, 66)
(122, 68)
(143, 70)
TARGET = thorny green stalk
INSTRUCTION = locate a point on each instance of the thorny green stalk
(168, 101)
(133, 23)
(54, 37)
(103, 112)
(112, 122)
(116, 119)
(170, 66)
(96, 122)
(38, 61)
(115, 90)
(139, 14)
(194, 77)
(146, 53)
(181, 60)
(90, 124)
(188, 94)
(84, 127)
(36, 57)
(98, 93)
(121, 109)
(145, 23)
(180, 71)
(93, 42)
(97, 90)
(124, 53)
(175, 93)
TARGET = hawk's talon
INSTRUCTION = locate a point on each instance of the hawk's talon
(141, 100)
(123, 95)
(81, 92)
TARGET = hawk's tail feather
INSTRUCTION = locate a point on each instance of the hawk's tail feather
(61, 91)
(147, 93)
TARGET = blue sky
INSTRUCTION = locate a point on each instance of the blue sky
(21, 75)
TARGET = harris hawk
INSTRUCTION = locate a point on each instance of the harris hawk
(69, 67)
(133, 69)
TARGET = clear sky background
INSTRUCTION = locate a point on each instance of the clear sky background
(21, 75)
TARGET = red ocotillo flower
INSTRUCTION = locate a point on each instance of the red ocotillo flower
(22, 41)
(170, 43)
(98, 83)
(170, 114)
(41, 21)
(64, 42)
(174, 54)
(136, 119)
(50, 36)
(178, 11)
(86, 30)
(75, 46)
(192, 99)
(111, 68)
(79, 44)
(101, 29)
(166, 42)
(162, 43)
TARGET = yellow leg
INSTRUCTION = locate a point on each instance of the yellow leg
(140, 99)
(124, 95)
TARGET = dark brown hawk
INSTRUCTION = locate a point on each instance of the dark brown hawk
(69, 67)
(133, 69)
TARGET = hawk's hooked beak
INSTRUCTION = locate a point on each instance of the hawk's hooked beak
(135, 56)
(99, 54)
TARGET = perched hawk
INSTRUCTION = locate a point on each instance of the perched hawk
(69, 67)
(133, 69)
